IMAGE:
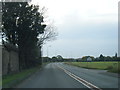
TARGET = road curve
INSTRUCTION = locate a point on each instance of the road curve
(60, 75)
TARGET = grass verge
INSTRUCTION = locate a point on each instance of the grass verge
(110, 66)
(9, 81)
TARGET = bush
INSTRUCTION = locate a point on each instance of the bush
(109, 67)
(114, 69)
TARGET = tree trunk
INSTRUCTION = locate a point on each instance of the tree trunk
(22, 64)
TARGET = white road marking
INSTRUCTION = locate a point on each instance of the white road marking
(84, 82)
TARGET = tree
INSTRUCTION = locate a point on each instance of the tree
(54, 59)
(59, 58)
(48, 35)
(108, 58)
(116, 55)
(101, 58)
(22, 24)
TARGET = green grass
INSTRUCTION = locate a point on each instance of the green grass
(10, 80)
(110, 66)
(0, 82)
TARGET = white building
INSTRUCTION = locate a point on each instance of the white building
(89, 59)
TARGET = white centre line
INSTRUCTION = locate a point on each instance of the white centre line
(84, 82)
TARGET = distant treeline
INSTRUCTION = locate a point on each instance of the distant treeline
(59, 58)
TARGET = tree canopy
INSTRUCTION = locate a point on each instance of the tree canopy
(21, 25)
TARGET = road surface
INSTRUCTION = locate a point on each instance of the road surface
(60, 75)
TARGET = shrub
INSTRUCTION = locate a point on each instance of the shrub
(109, 67)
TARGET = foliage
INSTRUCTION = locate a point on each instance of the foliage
(22, 23)
(46, 59)
(57, 58)
(84, 58)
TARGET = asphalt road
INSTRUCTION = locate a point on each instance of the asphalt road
(59, 75)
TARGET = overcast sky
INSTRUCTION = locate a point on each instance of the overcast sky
(85, 27)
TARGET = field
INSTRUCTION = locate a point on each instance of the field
(110, 66)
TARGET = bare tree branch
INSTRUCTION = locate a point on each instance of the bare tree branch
(48, 35)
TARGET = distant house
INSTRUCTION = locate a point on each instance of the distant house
(89, 59)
